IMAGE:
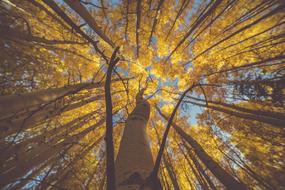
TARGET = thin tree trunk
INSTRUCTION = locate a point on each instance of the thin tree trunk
(270, 114)
(33, 174)
(244, 28)
(157, 12)
(37, 149)
(189, 163)
(54, 180)
(15, 35)
(57, 132)
(200, 168)
(138, 24)
(70, 22)
(50, 14)
(171, 173)
(224, 177)
(92, 174)
(102, 183)
(244, 166)
(23, 166)
(194, 170)
(14, 103)
(188, 178)
(163, 180)
(206, 13)
(168, 165)
(83, 12)
(181, 9)
(110, 163)
(17, 126)
(271, 121)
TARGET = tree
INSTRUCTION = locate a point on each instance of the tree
(148, 94)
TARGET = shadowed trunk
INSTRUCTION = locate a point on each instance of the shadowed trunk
(26, 164)
(10, 127)
(14, 103)
(134, 161)
(170, 170)
(223, 176)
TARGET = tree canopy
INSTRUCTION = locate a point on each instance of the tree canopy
(213, 72)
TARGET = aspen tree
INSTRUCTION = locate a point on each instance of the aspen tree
(134, 161)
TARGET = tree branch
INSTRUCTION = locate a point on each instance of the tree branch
(110, 166)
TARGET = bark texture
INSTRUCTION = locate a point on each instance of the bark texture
(134, 162)
(15, 103)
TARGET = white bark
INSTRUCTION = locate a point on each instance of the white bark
(134, 161)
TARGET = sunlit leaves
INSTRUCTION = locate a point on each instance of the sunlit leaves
(234, 34)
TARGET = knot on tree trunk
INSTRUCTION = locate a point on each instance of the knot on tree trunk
(152, 182)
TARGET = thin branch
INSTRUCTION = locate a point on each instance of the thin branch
(90, 3)
(155, 20)
(165, 135)
(110, 166)
(69, 21)
(138, 12)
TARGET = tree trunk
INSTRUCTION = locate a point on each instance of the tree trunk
(83, 12)
(271, 121)
(168, 164)
(92, 175)
(59, 175)
(56, 132)
(16, 126)
(34, 173)
(25, 165)
(14, 103)
(194, 170)
(134, 162)
(223, 176)
(164, 179)
(171, 172)
(270, 114)
(199, 167)
(191, 184)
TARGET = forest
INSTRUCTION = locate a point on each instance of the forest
(142, 94)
